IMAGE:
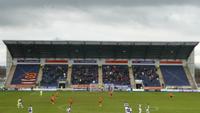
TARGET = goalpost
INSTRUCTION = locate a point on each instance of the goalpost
(109, 87)
(93, 87)
(103, 87)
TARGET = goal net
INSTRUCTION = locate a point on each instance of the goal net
(94, 87)
(109, 87)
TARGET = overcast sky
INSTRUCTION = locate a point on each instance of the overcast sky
(109, 20)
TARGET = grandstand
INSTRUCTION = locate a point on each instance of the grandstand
(78, 64)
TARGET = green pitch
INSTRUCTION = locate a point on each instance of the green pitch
(87, 102)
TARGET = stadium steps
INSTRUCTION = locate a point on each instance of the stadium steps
(132, 80)
(100, 75)
(39, 78)
(190, 78)
(10, 75)
(160, 77)
(69, 75)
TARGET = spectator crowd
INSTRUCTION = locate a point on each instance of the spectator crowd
(53, 73)
(116, 74)
(147, 74)
(84, 74)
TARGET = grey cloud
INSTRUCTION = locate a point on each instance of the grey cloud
(167, 14)
(178, 19)
(184, 19)
(21, 17)
(31, 12)
(89, 3)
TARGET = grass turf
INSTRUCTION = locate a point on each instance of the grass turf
(87, 102)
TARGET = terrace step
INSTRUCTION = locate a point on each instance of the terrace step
(100, 76)
(40, 73)
(69, 75)
(132, 79)
(190, 78)
(160, 77)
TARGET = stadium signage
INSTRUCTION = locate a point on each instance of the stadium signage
(80, 86)
(56, 61)
(171, 62)
(28, 61)
(122, 87)
(143, 61)
(85, 61)
(152, 88)
(116, 61)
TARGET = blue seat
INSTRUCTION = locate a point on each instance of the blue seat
(25, 74)
(52, 73)
(146, 73)
(174, 75)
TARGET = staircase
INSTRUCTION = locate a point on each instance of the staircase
(160, 77)
(100, 76)
(10, 76)
(69, 75)
(132, 79)
(190, 78)
(39, 75)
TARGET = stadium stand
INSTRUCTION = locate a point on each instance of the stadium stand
(22, 55)
(25, 74)
(174, 75)
(146, 73)
(116, 74)
(84, 74)
(52, 73)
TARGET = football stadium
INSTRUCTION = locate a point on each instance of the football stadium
(99, 77)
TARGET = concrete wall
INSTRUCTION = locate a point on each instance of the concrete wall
(191, 64)
(9, 62)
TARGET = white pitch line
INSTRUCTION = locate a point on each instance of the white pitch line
(34, 93)
(61, 107)
(154, 108)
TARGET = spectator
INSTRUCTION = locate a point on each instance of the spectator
(116, 74)
(52, 74)
(84, 74)
(147, 74)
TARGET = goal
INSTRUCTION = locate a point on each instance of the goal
(109, 87)
(94, 87)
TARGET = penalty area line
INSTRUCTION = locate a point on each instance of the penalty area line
(154, 108)
(61, 107)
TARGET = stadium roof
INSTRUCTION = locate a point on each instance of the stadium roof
(99, 49)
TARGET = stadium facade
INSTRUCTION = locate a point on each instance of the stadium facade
(80, 64)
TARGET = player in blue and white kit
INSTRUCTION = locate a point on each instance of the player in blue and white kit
(68, 110)
(127, 108)
(30, 109)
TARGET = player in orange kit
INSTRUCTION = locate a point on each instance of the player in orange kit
(70, 101)
(171, 95)
(53, 99)
(110, 94)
